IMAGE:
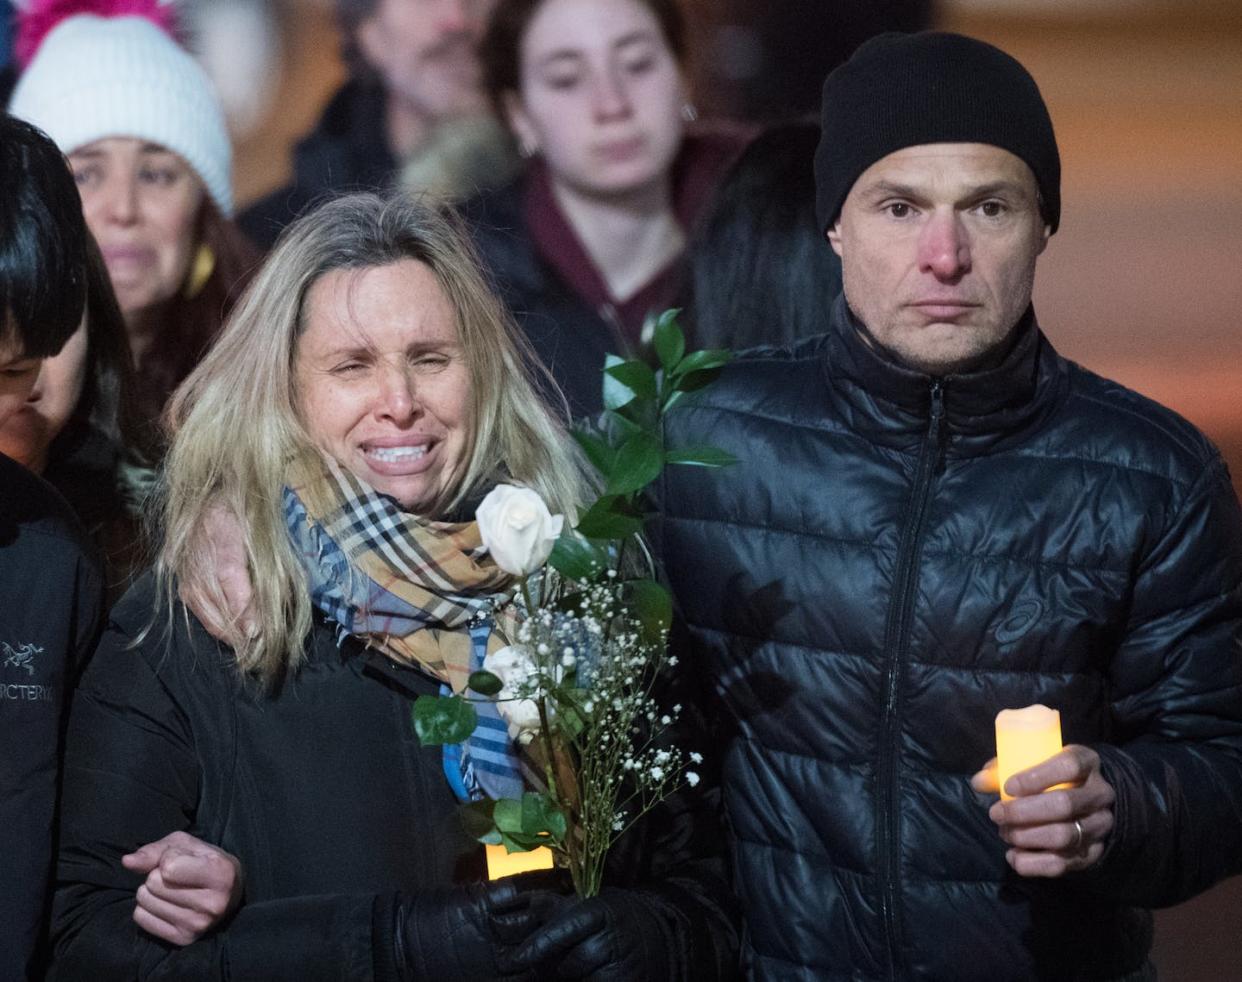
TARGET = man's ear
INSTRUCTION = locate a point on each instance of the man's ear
(1043, 244)
(833, 235)
(519, 122)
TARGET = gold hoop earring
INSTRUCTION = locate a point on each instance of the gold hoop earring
(201, 268)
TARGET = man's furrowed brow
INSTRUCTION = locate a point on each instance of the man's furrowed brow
(1004, 188)
(889, 189)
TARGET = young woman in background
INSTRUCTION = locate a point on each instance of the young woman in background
(590, 239)
(146, 138)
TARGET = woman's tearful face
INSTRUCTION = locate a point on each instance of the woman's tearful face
(382, 383)
(142, 204)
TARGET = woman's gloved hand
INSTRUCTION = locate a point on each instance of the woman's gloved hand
(618, 936)
(468, 932)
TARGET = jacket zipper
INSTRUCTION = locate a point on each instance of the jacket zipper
(896, 642)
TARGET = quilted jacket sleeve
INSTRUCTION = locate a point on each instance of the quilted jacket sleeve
(1177, 703)
(132, 775)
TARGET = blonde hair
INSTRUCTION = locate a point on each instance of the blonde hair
(235, 428)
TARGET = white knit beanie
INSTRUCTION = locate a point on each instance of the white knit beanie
(96, 77)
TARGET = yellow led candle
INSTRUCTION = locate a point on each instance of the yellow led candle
(1024, 738)
(501, 862)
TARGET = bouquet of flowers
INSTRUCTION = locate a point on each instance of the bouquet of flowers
(576, 687)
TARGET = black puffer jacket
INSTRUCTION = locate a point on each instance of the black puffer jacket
(895, 560)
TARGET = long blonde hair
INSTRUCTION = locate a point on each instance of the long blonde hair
(235, 428)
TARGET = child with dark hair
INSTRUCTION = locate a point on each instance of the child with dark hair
(77, 430)
(51, 591)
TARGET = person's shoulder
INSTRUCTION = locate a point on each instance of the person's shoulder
(132, 613)
(347, 150)
(496, 222)
(1116, 424)
(29, 506)
(150, 615)
(150, 633)
(496, 210)
(770, 380)
(351, 107)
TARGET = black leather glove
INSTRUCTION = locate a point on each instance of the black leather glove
(465, 932)
(618, 936)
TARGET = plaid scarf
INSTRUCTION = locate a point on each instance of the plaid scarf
(425, 593)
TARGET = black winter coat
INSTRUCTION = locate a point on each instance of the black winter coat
(571, 338)
(894, 560)
(51, 606)
(321, 789)
(347, 151)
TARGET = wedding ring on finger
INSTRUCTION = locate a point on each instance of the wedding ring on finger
(1078, 837)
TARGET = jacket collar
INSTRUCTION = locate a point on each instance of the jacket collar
(983, 410)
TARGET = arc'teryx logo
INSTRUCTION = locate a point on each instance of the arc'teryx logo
(22, 657)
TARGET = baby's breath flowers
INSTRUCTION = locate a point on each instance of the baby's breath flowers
(578, 685)
(595, 672)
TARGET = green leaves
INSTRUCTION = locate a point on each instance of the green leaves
(654, 608)
(577, 559)
(530, 822)
(611, 517)
(484, 683)
(638, 462)
(712, 359)
(623, 621)
(668, 341)
(598, 452)
(636, 380)
(443, 719)
(479, 824)
(630, 453)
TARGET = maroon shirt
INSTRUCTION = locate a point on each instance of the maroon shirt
(701, 162)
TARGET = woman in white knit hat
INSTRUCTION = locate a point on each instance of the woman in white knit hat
(144, 133)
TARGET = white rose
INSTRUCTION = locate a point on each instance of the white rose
(514, 666)
(517, 528)
(522, 715)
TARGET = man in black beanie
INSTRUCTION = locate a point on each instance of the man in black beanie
(936, 517)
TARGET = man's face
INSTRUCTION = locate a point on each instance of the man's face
(938, 244)
(17, 375)
(424, 50)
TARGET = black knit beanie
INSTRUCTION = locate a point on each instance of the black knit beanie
(903, 90)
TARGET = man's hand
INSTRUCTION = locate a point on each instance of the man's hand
(191, 887)
(1052, 832)
(228, 615)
